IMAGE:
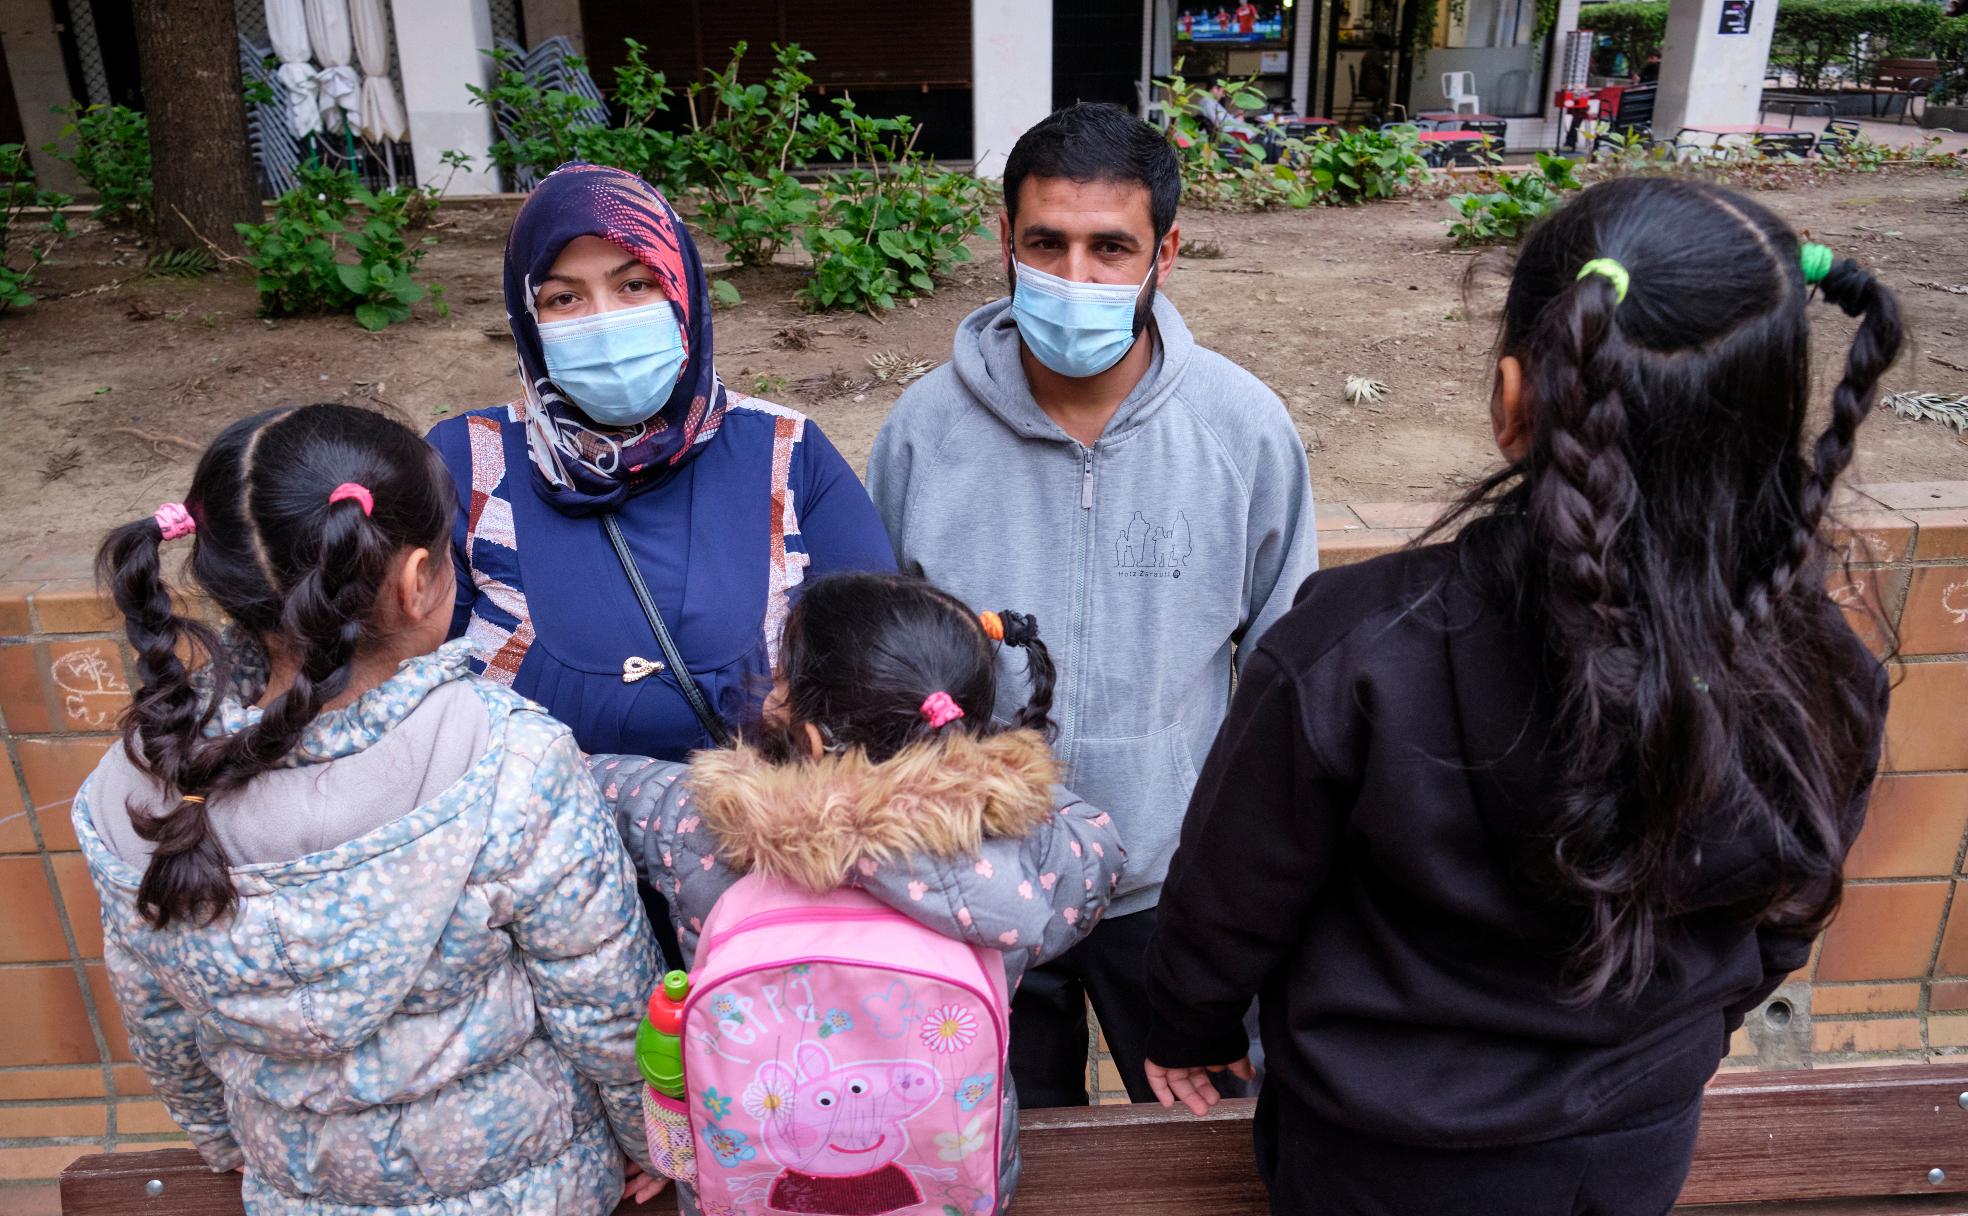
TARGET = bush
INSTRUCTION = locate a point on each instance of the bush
(1951, 48)
(740, 149)
(23, 246)
(1224, 173)
(301, 256)
(546, 128)
(1331, 168)
(1353, 166)
(1519, 201)
(541, 124)
(658, 157)
(1636, 28)
(883, 232)
(1813, 35)
(111, 153)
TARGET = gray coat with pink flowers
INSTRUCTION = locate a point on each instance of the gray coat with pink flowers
(972, 838)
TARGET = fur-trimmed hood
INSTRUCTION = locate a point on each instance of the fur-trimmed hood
(812, 823)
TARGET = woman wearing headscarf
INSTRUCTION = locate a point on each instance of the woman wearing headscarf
(626, 459)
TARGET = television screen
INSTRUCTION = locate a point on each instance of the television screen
(1231, 23)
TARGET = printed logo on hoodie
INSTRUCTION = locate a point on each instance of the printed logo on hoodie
(1148, 549)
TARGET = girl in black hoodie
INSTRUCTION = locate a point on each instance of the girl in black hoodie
(1509, 832)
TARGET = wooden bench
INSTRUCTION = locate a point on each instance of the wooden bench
(1833, 1142)
(1906, 78)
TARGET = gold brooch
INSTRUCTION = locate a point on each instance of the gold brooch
(636, 668)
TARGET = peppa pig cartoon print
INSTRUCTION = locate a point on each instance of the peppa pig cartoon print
(838, 1130)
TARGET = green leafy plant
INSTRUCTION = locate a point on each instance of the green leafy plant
(110, 149)
(890, 224)
(657, 155)
(542, 126)
(743, 141)
(1812, 37)
(1519, 201)
(1224, 173)
(1951, 49)
(1425, 23)
(545, 128)
(333, 245)
(1355, 165)
(1862, 154)
(24, 244)
(1632, 152)
(1636, 28)
(1334, 167)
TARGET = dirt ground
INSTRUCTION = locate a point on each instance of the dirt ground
(114, 381)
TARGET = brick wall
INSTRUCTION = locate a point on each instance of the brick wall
(1888, 983)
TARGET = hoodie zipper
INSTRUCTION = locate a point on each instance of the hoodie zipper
(1069, 723)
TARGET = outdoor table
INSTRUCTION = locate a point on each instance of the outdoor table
(1444, 120)
(1449, 146)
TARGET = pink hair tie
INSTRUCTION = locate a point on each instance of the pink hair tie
(939, 710)
(174, 521)
(358, 494)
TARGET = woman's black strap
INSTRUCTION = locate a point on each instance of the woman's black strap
(713, 725)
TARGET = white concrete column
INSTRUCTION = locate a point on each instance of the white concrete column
(34, 61)
(1708, 77)
(1010, 75)
(440, 45)
(1302, 43)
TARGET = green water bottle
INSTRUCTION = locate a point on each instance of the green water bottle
(659, 1040)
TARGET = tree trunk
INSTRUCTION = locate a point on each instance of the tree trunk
(202, 176)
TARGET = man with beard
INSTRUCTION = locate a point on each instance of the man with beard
(1084, 460)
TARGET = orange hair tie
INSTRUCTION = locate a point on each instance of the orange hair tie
(993, 625)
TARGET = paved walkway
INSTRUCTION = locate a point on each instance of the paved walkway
(1900, 136)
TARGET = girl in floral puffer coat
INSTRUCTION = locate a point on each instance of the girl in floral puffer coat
(879, 767)
(370, 928)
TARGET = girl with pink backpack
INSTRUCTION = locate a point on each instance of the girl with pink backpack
(857, 893)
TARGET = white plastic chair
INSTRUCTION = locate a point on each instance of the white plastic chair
(1460, 87)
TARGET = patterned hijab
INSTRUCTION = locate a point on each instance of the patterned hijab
(580, 466)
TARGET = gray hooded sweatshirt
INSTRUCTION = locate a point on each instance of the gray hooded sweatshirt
(1148, 558)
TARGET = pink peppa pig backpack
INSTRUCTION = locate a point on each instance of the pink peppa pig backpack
(841, 1059)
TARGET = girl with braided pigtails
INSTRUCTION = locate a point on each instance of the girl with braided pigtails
(369, 926)
(1510, 831)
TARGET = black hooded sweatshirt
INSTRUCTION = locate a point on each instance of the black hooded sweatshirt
(1358, 856)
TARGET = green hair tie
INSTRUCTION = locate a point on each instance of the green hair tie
(1615, 274)
(1816, 261)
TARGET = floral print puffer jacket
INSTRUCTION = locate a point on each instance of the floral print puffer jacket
(973, 838)
(437, 1017)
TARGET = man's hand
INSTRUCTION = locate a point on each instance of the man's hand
(642, 1187)
(1192, 1086)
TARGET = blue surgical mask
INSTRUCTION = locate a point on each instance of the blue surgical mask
(1076, 329)
(619, 367)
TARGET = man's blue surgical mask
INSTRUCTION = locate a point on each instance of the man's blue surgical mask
(618, 367)
(1076, 329)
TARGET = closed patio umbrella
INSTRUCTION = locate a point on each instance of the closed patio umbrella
(334, 49)
(287, 29)
(382, 112)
